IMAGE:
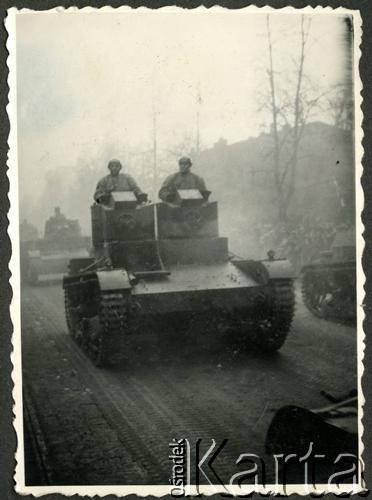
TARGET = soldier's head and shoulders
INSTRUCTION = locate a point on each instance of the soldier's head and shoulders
(117, 181)
(184, 171)
(182, 180)
(115, 171)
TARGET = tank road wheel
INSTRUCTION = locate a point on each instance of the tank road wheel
(96, 322)
(73, 315)
(314, 294)
(331, 296)
(271, 332)
(93, 341)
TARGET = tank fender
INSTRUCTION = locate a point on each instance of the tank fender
(279, 269)
(254, 269)
(265, 270)
(113, 280)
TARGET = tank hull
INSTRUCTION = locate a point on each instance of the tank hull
(106, 311)
(49, 268)
(159, 269)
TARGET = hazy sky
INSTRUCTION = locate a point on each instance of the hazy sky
(86, 80)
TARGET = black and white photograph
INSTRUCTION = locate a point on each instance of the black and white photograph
(185, 219)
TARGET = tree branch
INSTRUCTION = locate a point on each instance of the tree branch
(273, 104)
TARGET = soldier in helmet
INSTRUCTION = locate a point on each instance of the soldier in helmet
(183, 179)
(115, 181)
(56, 226)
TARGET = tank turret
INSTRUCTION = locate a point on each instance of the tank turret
(46, 260)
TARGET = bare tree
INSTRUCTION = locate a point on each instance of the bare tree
(184, 147)
(290, 107)
(199, 102)
(340, 108)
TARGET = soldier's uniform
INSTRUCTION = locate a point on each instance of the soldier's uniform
(120, 182)
(180, 180)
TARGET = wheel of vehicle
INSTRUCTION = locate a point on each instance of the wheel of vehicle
(268, 333)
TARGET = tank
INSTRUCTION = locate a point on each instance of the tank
(329, 283)
(159, 265)
(46, 260)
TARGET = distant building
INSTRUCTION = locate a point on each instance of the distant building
(241, 175)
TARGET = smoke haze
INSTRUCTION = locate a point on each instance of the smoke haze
(90, 84)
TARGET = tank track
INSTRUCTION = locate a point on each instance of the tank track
(100, 336)
(271, 332)
(320, 298)
(308, 298)
(113, 322)
(68, 312)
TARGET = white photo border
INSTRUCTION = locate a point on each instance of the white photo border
(14, 265)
